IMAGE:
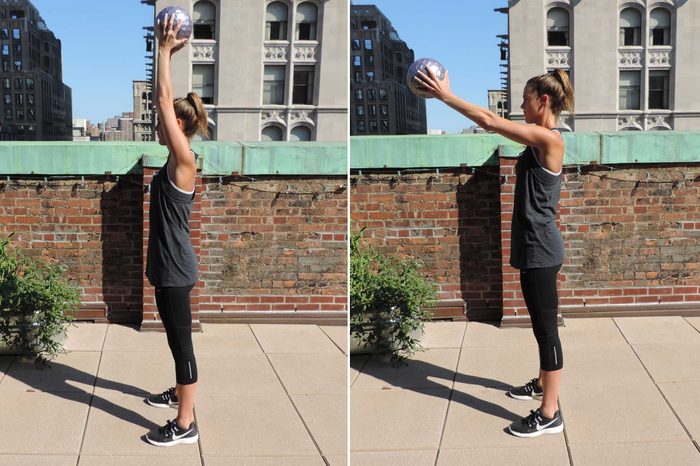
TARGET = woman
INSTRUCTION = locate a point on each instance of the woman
(171, 265)
(537, 247)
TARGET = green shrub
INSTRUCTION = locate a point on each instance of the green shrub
(35, 301)
(388, 301)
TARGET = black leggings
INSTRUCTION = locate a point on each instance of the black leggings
(174, 310)
(540, 292)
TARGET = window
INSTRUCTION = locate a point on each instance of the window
(204, 20)
(4, 34)
(630, 27)
(658, 89)
(384, 109)
(382, 94)
(19, 99)
(5, 50)
(361, 126)
(20, 114)
(372, 126)
(18, 65)
(356, 60)
(30, 99)
(558, 27)
(629, 90)
(6, 65)
(385, 125)
(360, 110)
(273, 85)
(31, 115)
(399, 57)
(8, 114)
(660, 27)
(303, 92)
(372, 109)
(370, 76)
(30, 84)
(300, 133)
(6, 83)
(358, 94)
(370, 94)
(276, 21)
(369, 25)
(358, 76)
(306, 18)
(271, 133)
(356, 44)
(15, 34)
(368, 44)
(369, 60)
(203, 82)
(8, 99)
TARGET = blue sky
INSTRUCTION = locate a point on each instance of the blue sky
(461, 34)
(103, 51)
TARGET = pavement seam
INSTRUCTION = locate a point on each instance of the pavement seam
(92, 395)
(14, 358)
(680, 421)
(691, 325)
(333, 341)
(452, 390)
(301, 418)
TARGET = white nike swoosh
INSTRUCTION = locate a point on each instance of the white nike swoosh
(540, 427)
(177, 437)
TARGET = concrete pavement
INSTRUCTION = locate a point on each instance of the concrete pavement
(629, 396)
(268, 395)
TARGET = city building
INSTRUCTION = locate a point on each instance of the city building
(119, 128)
(633, 63)
(274, 72)
(498, 102)
(36, 104)
(143, 111)
(380, 101)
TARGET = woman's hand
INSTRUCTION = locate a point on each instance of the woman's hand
(440, 89)
(169, 43)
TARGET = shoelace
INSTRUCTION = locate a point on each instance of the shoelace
(533, 418)
(530, 386)
(169, 394)
(169, 428)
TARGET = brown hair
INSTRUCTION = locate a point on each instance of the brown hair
(191, 111)
(556, 85)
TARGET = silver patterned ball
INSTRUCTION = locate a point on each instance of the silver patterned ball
(423, 64)
(181, 16)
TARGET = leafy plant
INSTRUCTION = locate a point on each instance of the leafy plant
(388, 301)
(35, 301)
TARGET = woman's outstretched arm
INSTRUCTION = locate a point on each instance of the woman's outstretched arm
(183, 169)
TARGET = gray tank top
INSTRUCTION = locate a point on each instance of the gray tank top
(536, 242)
(170, 260)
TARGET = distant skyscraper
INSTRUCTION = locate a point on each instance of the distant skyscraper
(380, 101)
(36, 105)
(143, 100)
(267, 70)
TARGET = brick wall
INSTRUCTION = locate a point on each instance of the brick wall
(448, 220)
(93, 227)
(632, 236)
(259, 251)
(273, 245)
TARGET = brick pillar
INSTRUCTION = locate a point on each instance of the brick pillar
(514, 310)
(151, 320)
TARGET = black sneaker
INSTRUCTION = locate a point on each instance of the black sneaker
(172, 434)
(163, 400)
(529, 391)
(536, 424)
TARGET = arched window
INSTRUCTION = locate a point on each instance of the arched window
(558, 27)
(630, 27)
(300, 133)
(204, 20)
(276, 21)
(271, 133)
(660, 27)
(307, 19)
